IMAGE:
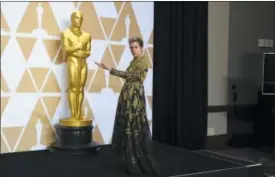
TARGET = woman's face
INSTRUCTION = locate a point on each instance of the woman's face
(135, 48)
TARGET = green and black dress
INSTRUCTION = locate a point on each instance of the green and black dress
(131, 138)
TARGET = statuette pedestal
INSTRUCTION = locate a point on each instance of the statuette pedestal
(75, 140)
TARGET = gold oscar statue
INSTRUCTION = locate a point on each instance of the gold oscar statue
(76, 45)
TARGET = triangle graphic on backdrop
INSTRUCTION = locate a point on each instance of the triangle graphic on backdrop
(38, 111)
(118, 5)
(111, 139)
(108, 24)
(4, 42)
(151, 53)
(91, 23)
(4, 86)
(26, 83)
(30, 19)
(147, 58)
(97, 135)
(108, 59)
(86, 110)
(89, 78)
(51, 104)
(29, 137)
(120, 29)
(4, 147)
(51, 84)
(150, 123)
(98, 82)
(117, 52)
(43, 60)
(12, 134)
(150, 100)
(26, 45)
(76, 3)
(52, 47)
(151, 39)
(4, 103)
(4, 24)
(39, 76)
(60, 59)
(114, 82)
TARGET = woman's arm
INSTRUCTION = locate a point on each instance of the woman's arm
(138, 74)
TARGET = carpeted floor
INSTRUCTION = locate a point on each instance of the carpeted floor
(173, 161)
(266, 159)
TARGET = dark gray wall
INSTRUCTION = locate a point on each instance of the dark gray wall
(249, 21)
(234, 58)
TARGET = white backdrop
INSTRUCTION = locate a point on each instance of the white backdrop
(33, 74)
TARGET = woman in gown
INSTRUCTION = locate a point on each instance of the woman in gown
(131, 138)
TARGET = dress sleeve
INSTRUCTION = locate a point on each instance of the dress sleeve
(138, 73)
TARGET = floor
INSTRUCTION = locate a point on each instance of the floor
(172, 160)
(251, 154)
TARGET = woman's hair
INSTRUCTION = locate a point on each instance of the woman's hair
(136, 39)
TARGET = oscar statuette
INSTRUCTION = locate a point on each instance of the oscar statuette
(75, 132)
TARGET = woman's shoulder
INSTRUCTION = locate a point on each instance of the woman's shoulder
(142, 63)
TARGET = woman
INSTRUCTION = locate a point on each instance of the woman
(131, 135)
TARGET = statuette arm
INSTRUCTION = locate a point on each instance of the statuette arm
(65, 45)
(88, 48)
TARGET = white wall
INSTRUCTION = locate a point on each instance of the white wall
(218, 32)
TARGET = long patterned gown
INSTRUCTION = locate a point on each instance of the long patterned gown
(131, 138)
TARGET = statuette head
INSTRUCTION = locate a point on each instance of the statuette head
(77, 19)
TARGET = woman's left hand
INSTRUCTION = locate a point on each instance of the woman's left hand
(102, 65)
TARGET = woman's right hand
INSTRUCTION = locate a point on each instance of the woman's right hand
(102, 65)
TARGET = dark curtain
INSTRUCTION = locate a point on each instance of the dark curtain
(180, 74)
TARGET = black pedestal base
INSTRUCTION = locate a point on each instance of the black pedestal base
(75, 140)
(89, 149)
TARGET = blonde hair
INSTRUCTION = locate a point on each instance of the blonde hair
(136, 39)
